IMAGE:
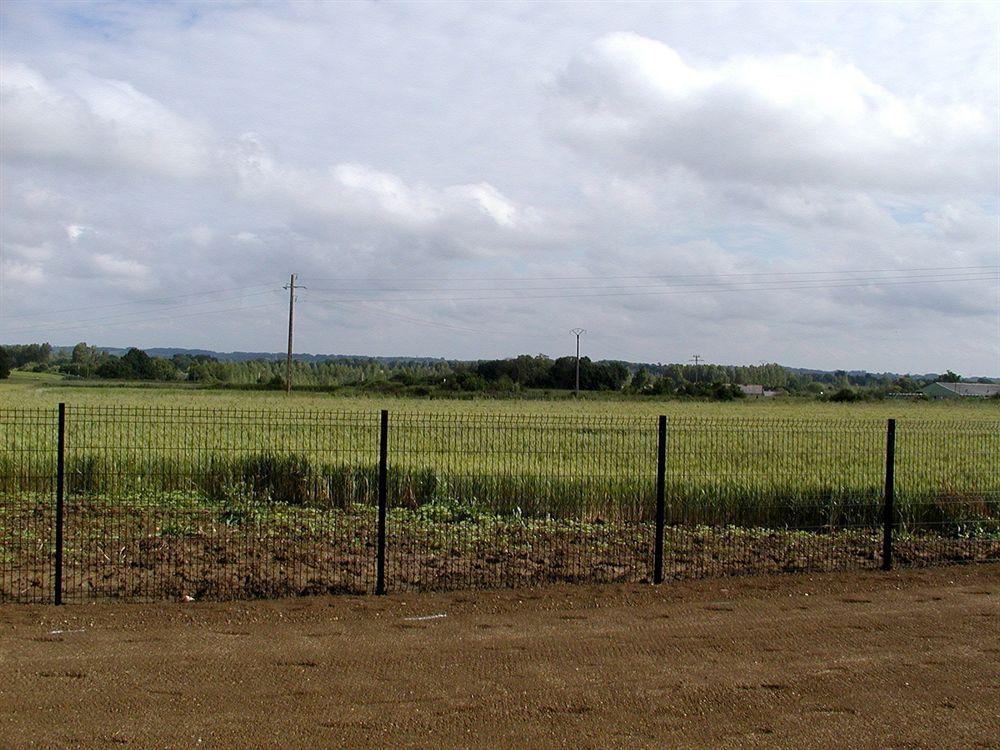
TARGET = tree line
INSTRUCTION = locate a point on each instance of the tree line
(422, 377)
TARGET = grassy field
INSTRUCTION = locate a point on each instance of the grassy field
(750, 462)
(33, 390)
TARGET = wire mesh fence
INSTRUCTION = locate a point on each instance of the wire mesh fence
(156, 503)
(167, 503)
(948, 493)
(28, 456)
(518, 500)
(773, 495)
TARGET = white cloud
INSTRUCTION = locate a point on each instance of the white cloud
(97, 122)
(32, 253)
(110, 123)
(964, 220)
(787, 120)
(202, 236)
(361, 188)
(15, 272)
(356, 192)
(39, 200)
(490, 201)
(121, 269)
(384, 146)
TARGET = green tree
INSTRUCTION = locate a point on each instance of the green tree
(82, 354)
(641, 380)
(138, 365)
(906, 384)
(163, 369)
(4, 364)
(112, 368)
(26, 354)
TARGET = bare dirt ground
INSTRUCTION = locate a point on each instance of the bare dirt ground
(151, 553)
(860, 659)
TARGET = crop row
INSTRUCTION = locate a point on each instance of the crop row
(292, 479)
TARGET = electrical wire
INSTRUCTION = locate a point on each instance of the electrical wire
(139, 301)
(665, 276)
(377, 310)
(700, 289)
(185, 306)
(75, 324)
(872, 279)
(548, 337)
(368, 297)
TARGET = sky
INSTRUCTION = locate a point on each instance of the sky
(813, 184)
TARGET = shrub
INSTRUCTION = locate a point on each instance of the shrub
(845, 395)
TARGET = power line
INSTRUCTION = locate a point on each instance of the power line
(75, 324)
(701, 284)
(376, 310)
(963, 273)
(896, 276)
(700, 289)
(129, 316)
(628, 287)
(373, 308)
(139, 301)
(686, 282)
(665, 276)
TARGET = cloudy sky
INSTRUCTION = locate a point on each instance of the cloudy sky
(811, 184)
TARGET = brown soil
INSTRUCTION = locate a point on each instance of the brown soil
(855, 659)
(157, 554)
(153, 554)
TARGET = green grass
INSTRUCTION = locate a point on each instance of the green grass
(35, 390)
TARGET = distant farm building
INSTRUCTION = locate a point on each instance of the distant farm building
(757, 391)
(961, 390)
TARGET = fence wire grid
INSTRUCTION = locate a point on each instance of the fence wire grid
(149, 504)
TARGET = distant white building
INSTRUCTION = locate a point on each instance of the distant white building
(961, 390)
(757, 391)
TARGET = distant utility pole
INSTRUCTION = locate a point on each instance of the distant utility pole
(577, 332)
(696, 359)
(290, 286)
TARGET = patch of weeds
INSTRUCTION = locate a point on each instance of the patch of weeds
(239, 507)
(178, 528)
(445, 509)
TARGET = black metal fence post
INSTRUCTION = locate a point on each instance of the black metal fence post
(661, 471)
(383, 455)
(888, 513)
(60, 492)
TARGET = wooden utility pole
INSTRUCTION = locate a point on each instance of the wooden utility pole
(291, 317)
(577, 332)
